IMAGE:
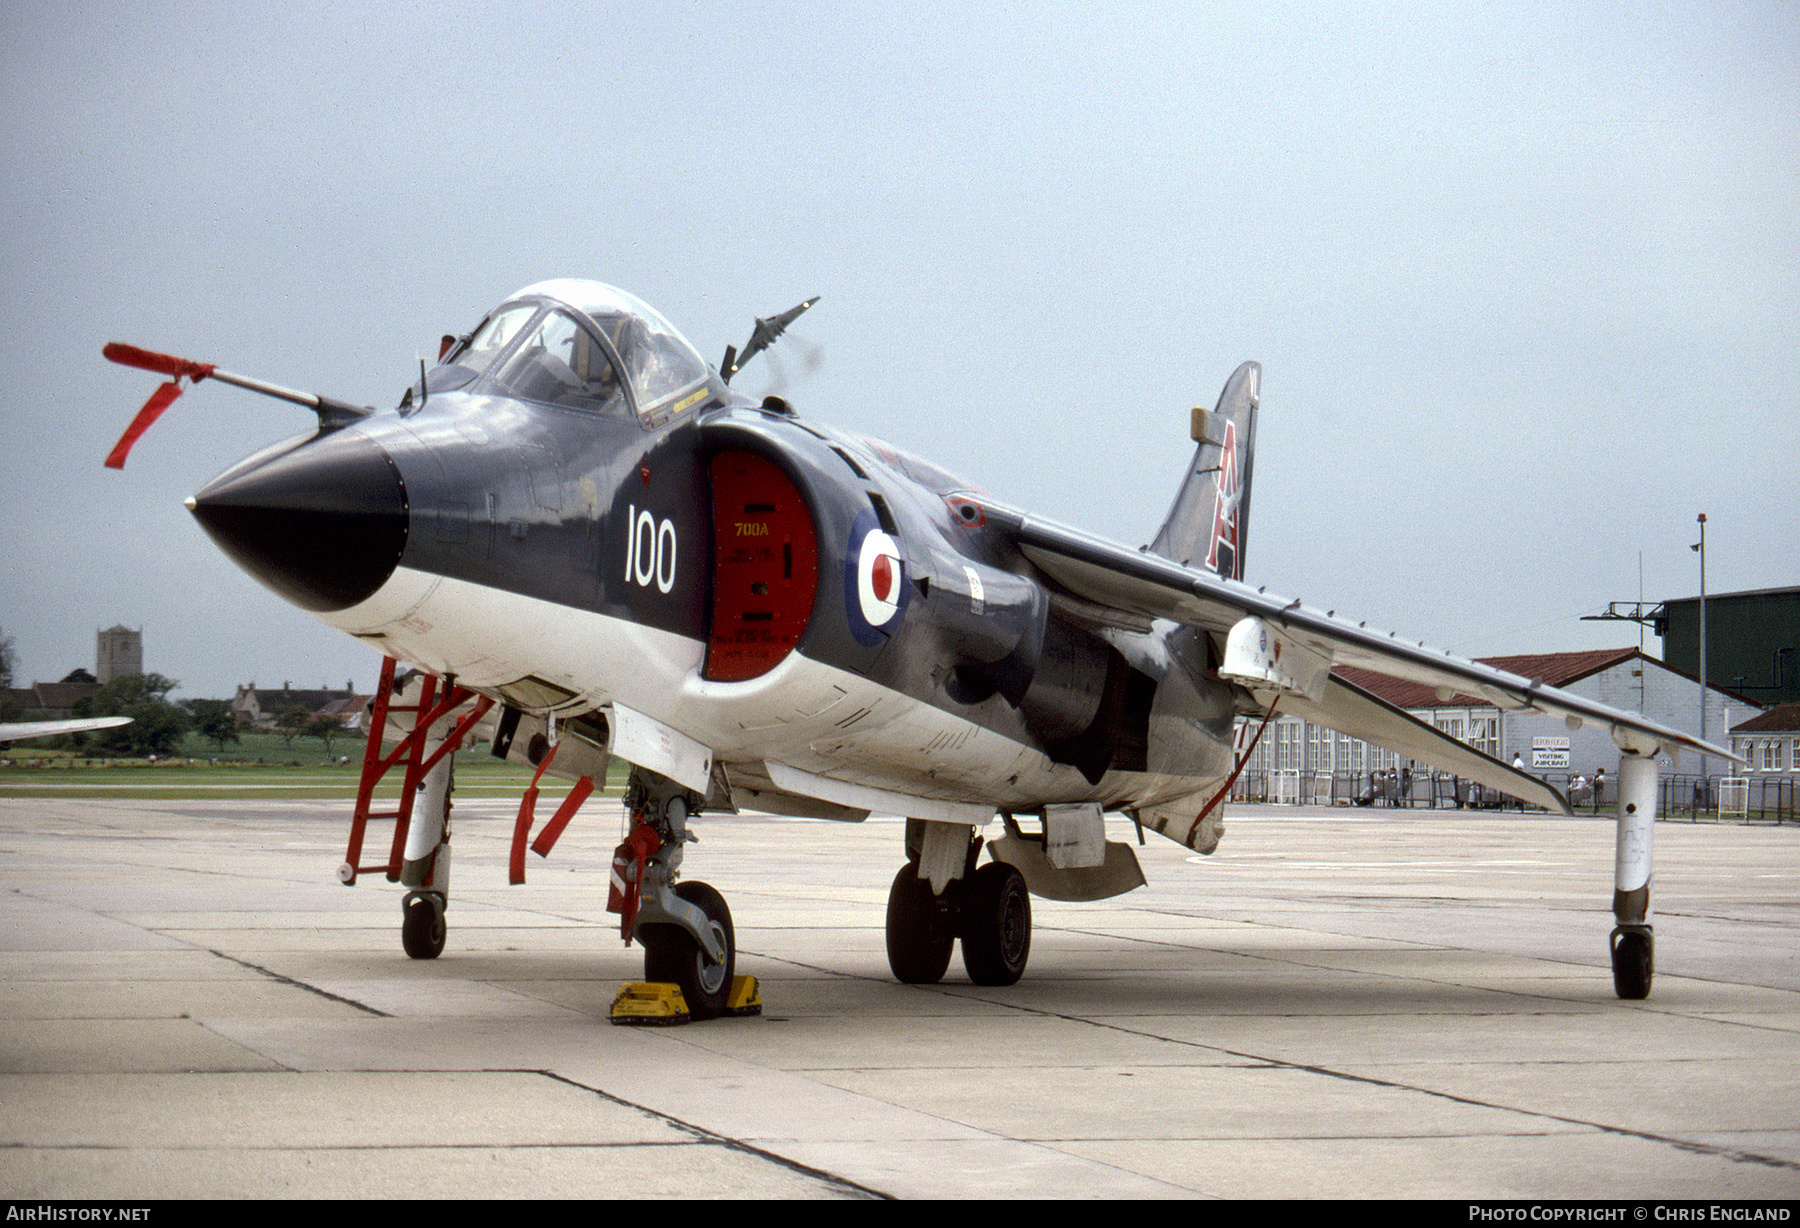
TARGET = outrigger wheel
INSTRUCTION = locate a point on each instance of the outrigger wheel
(422, 928)
(1633, 962)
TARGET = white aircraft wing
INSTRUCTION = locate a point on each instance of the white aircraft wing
(49, 729)
(1276, 646)
(1352, 710)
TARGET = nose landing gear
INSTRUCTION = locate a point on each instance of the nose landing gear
(685, 927)
(673, 954)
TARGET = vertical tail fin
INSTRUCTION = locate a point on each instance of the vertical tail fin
(1209, 521)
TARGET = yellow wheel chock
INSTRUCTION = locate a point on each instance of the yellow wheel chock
(745, 998)
(659, 1004)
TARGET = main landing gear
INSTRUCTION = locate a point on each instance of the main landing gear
(685, 927)
(988, 908)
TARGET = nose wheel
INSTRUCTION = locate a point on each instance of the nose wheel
(671, 954)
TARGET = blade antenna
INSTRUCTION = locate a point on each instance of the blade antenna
(761, 338)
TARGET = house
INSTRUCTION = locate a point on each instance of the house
(263, 708)
(49, 701)
(1771, 742)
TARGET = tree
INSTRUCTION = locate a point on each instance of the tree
(325, 728)
(157, 726)
(290, 723)
(212, 719)
(9, 710)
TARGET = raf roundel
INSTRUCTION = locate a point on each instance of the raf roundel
(874, 581)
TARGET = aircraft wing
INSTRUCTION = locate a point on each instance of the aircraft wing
(49, 729)
(1347, 707)
(1142, 585)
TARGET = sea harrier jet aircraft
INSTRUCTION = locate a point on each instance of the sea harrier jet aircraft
(590, 547)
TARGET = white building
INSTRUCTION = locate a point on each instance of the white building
(1771, 743)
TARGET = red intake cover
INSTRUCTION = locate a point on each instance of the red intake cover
(767, 559)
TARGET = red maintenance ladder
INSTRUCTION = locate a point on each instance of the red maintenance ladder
(436, 700)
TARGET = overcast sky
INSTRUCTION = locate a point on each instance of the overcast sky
(1524, 278)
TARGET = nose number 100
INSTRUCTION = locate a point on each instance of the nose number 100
(649, 550)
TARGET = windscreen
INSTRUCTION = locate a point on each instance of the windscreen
(562, 363)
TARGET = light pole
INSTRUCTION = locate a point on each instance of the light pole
(1701, 547)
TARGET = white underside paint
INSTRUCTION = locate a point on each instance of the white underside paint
(820, 721)
(877, 801)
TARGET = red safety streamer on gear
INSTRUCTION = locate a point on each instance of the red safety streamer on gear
(627, 882)
(522, 828)
(163, 364)
(1232, 779)
(554, 828)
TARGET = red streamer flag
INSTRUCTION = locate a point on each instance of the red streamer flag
(161, 399)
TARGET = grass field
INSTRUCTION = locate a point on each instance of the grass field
(261, 766)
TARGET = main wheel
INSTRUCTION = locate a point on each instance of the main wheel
(1633, 961)
(919, 935)
(422, 928)
(996, 929)
(671, 954)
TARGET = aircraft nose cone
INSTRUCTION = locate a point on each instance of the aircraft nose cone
(321, 521)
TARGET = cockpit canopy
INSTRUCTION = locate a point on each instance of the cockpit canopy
(566, 342)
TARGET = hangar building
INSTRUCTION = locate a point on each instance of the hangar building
(1752, 641)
